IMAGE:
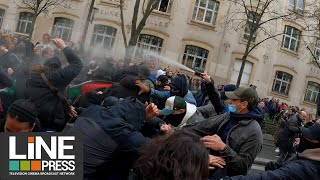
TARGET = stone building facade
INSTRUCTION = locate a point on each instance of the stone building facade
(192, 33)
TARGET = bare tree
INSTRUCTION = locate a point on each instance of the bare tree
(147, 7)
(37, 7)
(258, 18)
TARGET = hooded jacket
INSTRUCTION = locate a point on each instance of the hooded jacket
(50, 107)
(191, 116)
(111, 138)
(304, 166)
(244, 140)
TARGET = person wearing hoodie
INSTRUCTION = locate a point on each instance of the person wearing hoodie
(305, 165)
(235, 136)
(50, 107)
(179, 113)
(178, 87)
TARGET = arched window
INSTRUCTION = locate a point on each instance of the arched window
(149, 43)
(25, 23)
(281, 82)
(312, 92)
(103, 36)
(62, 28)
(2, 11)
(195, 58)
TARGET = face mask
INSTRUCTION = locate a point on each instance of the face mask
(231, 108)
(175, 119)
(305, 144)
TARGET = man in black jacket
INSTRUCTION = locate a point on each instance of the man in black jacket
(288, 134)
(50, 107)
(111, 137)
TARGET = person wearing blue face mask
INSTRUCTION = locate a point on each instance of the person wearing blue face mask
(236, 135)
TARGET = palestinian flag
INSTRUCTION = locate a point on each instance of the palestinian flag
(88, 86)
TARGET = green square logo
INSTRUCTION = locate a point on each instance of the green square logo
(14, 166)
(24, 165)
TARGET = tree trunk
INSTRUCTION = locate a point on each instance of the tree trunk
(130, 49)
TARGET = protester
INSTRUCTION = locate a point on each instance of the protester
(111, 137)
(288, 134)
(179, 113)
(179, 156)
(178, 87)
(21, 117)
(236, 136)
(45, 42)
(50, 107)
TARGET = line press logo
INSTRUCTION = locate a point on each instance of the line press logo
(44, 154)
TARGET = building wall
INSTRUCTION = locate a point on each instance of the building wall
(177, 29)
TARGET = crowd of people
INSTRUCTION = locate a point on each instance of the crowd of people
(148, 126)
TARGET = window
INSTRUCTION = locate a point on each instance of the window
(206, 11)
(25, 23)
(195, 58)
(1, 16)
(62, 28)
(281, 82)
(252, 21)
(245, 75)
(296, 5)
(164, 6)
(291, 38)
(312, 92)
(103, 36)
(148, 43)
(317, 50)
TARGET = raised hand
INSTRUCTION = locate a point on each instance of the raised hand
(151, 111)
(143, 88)
(59, 43)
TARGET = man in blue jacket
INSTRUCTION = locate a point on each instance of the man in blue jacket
(178, 87)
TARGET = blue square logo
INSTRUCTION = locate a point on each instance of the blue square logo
(14, 166)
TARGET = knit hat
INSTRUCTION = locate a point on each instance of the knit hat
(24, 109)
(173, 103)
(312, 132)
